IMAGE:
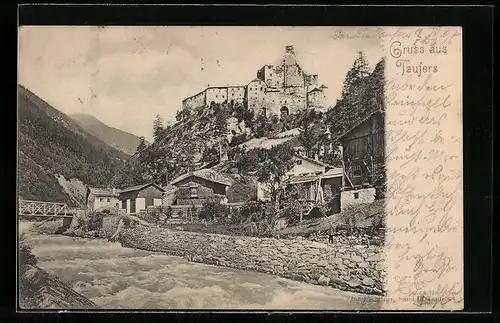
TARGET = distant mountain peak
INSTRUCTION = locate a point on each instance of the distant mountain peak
(116, 138)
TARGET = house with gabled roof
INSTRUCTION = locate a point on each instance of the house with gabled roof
(314, 179)
(101, 198)
(138, 198)
(198, 187)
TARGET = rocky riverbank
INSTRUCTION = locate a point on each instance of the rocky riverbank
(358, 268)
(41, 290)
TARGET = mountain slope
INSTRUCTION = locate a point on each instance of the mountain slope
(50, 143)
(116, 138)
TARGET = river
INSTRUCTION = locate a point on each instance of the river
(121, 278)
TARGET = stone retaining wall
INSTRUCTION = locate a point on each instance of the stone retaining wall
(357, 268)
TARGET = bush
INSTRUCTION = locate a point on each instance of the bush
(252, 211)
(214, 212)
(316, 212)
(238, 139)
(25, 255)
(153, 215)
(291, 212)
(96, 221)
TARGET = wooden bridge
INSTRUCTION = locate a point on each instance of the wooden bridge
(44, 209)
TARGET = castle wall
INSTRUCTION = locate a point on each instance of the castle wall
(276, 86)
(236, 94)
(195, 101)
(316, 99)
(216, 94)
(294, 76)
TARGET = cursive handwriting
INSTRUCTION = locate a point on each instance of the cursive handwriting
(424, 167)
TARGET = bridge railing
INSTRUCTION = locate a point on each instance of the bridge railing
(27, 207)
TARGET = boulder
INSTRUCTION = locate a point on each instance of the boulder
(354, 282)
(356, 258)
(317, 245)
(323, 280)
(363, 264)
(375, 257)
(380, 265)
(367, 281)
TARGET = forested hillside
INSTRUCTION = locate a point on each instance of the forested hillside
(50, 143)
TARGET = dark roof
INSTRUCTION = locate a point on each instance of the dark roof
(207, 174)
(361, 122)
(140, 187)
(103, 191)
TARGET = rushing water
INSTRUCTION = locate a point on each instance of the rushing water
(120, 278)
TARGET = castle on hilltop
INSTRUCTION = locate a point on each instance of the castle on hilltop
(280, 90)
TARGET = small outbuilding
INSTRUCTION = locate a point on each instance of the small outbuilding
(138, 198)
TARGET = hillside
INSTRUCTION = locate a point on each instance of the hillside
(116, 138)
(51, 144)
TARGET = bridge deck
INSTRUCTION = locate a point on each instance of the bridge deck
(45, 209)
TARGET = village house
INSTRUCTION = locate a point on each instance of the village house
(138, 198)
(316, 181)
(101, 198)
(199, 187)
(363, 159)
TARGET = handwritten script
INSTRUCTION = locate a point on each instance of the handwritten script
(424, 167)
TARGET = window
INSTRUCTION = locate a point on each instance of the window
(270, 74)
(101, 200)
(192, 192)
(298, 162)
(109, 200)
(216, 95)
(261, 88)
(356, 195)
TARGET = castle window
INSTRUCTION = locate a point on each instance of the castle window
(261, 88)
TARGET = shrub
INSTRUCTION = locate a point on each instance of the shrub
(96, 222)
(25, 255)
(291, 212)
(238, 139)
(153, 215)
(252, 211)
(214, 212)
(316, 212)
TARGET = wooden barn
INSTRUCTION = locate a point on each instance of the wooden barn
(363, 159)
(138, 198)
(198, 187)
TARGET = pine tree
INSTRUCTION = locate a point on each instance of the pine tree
(157, 127)
(358, 71)
(141, 148)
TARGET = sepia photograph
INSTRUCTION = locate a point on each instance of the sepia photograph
(210, 167)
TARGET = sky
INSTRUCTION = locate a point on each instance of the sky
(125, 76)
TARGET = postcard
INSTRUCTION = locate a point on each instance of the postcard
(257, 168)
